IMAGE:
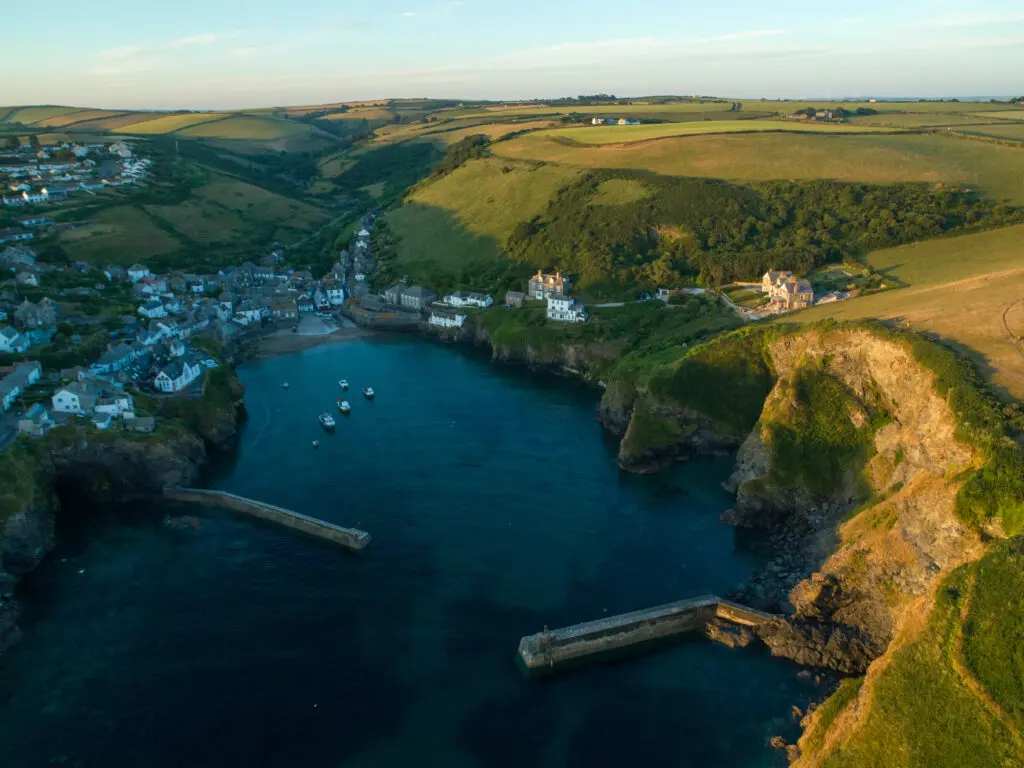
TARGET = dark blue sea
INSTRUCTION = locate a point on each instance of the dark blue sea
(495, 507)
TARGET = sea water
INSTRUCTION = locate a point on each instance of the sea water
(495, 507)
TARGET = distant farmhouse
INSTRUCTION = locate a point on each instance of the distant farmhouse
(786, 291)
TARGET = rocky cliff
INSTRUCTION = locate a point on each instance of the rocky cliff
(83, 466)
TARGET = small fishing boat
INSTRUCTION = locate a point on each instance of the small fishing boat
(369, 393)
(343, 384)
(285, 385)
(344, 407)
(327, 421)
(316, 443)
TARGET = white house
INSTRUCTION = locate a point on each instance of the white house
(443, 319)
(463, 299)
(20, 379)
(79, 397)
(12, 341)
(564, 309)
(116, 404)
(153, 309)
(177, 375)
(136, 272)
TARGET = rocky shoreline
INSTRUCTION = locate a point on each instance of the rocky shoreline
(85, 467)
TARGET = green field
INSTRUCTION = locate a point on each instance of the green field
(910, 107)
(626, 134)
(918, 120)
(619, 192)
(118, 235)
(115, 122)
(170, 123)
(245, 128)
(959, 288)
(617, 109)
(996, 170)
(1009, 131)
(1016, 114)
(62, 121)
(472, 211)
(33, 115)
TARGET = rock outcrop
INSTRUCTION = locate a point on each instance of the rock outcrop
(892, 550)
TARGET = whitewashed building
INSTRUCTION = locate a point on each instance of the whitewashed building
(442, 319)
(564, 309)
(11, 340)
(464, 299)
(153, 309)
(177, 375)
(136, 272)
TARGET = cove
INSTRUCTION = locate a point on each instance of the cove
(495, 507)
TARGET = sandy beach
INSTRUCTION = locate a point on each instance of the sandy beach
(311, 332)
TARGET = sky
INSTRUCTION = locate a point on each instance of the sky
(208, 54)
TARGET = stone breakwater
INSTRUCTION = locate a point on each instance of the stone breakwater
(346, 537)
(707, 614)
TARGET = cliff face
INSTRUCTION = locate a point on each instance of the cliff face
(899, 453)
(93, 468)
(577, 359)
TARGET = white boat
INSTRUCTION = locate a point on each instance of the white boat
(327, 421)
(316, 443)
(343, 383)
(344, 407)
(285, 385)
(369, 393)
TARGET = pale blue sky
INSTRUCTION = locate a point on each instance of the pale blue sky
(245, 53)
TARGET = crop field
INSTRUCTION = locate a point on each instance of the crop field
(115, 122)
(617, 109)
(363, 114)
(1008, 114)
(121, 235)
(494, 130)
(33, 115)
(247, 128)
(997, 170)
(170, 123)
(1009, 130)
(470, 213)
(625, 134)
(62, 121)
(920, 120)
(911, 107)
(959, 288)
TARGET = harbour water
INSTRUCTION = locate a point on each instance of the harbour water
(495, 508)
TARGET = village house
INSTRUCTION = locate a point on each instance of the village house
(786, 291)
(543, 286)
(442, 319)
(564, 309)
(17, 382)
(27, 277)
(16, 257)
(115, 359)
(29, 316)
(137, 272)
(11, 341)
(153, 309)
(35, 421)
(15, 235)
(285, 310)
(514, 298)
(38, 221)
(115, 273)
(177, 375)
(417, 298)
(464, 299)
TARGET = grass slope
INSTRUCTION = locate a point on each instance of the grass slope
(246, 127)
(959, 288)
(33, 115)
(997, 170)
(169, 123)
(119, 235)
(470, 213)
(625, 134)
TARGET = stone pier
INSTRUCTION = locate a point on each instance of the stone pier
(553, 647)
(346, 537)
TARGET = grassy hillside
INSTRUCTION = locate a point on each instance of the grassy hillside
(883, 159)
(626, 134)
(965, 289)
(120, 235)
(169, 123)
(246, 128)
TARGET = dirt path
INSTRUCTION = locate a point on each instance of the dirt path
(1009, 332)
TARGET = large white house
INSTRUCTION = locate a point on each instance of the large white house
(177, 375)
(443, 319)
(464, 299)
(12, 341)
(79, 397)
(564, 309)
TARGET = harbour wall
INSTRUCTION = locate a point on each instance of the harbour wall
(346, 537)
(553, 647)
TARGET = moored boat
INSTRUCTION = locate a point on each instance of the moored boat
(369, 393)
(344, 407)
(327, 421)
(285, 385)
(343, 383)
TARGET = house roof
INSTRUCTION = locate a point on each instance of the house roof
(418, 292)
